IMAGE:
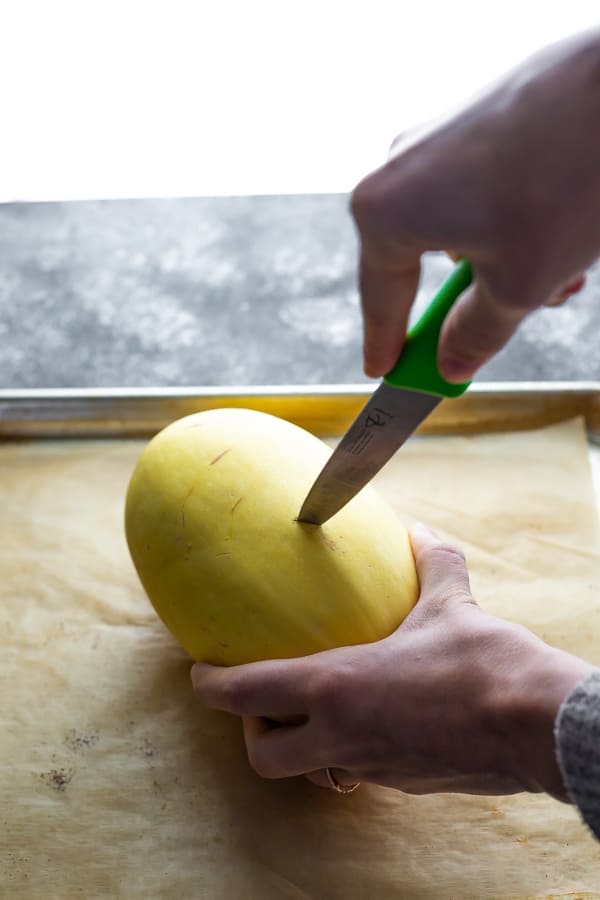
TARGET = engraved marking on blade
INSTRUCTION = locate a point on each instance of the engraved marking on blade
(372, 439)
(377, 418)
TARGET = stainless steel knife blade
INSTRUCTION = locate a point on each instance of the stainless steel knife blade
(388, 419)
(409, 392)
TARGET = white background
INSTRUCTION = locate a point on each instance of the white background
(128, 98)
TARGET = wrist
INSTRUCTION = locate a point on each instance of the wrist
(530, 707)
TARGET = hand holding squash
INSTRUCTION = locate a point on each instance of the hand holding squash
(455, 700)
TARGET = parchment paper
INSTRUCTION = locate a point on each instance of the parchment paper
(114, 782)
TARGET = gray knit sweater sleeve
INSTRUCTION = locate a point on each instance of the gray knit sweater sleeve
(577, 734)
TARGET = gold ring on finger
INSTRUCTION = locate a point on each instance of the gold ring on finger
(335, 784)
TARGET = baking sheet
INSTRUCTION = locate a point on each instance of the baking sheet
(115, 783)
(322, 409)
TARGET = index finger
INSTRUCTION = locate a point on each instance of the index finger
(387, 291)
(272, 689)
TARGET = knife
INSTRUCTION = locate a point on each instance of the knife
(407, 395)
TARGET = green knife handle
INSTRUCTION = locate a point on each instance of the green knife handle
(417, 367)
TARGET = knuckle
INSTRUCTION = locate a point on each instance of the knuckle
(321, 687)
(458, 595)
(368, 201)
(332, 710)
(519, 633)
(235, 694)
(361, 201)
(470, 336)
(447, 578)
(326, 693)
(510, 295)
(260, 762)
(445, 555)
(326, 685)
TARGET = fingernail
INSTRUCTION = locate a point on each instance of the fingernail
(454, 370)
(370, 370)
(569, 289)
(425, 530)
(575, 286)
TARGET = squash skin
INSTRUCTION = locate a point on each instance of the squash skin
(210, 523)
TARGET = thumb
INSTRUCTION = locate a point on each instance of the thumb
(476, 328)
(441, 568)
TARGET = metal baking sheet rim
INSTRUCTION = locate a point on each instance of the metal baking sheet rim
(322, 409)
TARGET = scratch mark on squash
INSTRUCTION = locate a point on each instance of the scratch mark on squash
(187, 497)
(328, 541)
(236, 504)
(220, 456)
(226, 553)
